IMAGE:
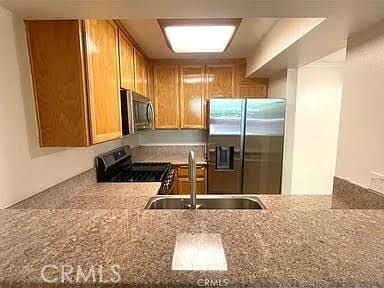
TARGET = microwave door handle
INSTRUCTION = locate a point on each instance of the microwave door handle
(152, 117)
(131, 116)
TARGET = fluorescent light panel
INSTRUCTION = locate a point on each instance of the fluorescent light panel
(199, 38)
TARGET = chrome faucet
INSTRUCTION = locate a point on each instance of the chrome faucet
(192, 178)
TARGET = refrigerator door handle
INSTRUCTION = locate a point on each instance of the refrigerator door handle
(242, 143)
(206, 131)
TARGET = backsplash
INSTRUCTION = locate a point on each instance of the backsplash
(176, 154)
(172, 137)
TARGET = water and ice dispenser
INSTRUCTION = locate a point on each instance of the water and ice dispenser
(224, 157)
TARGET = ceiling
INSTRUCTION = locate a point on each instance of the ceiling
(344, 18)
(148, 35)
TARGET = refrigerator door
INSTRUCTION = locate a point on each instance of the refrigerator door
(263, 146)
(224, 145)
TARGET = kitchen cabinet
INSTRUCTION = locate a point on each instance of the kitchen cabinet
(183, 184)
(220, 80)
(141, 73)
(55, 50)
(146, 78)
(127, 72)
(254, 89)
(103, 79)
(192, 98)
(76, 83)
(181, 104)
(166, 96)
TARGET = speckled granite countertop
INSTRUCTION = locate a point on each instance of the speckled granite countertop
(289, 245)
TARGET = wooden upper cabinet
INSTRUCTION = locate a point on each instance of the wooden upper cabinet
(192, 97)
(141, 73)
(56, 57)
(146, 78)
(103, 79)
(150, 87)
(254, 88)
(166, 94)
(221, 80)
(76, 73)
(127, 72)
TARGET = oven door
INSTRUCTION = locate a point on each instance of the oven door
(143, 112)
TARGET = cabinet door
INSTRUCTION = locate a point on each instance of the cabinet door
(253, 90)
(221, 80)
(127, 74)
(56, 57)
(182, 171)
(103, 79)
(192, 97)
(146, 78)
(166, 96)
(140, 73)
(184, 186)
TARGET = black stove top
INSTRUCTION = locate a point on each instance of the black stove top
(142, 172)
(117, 166)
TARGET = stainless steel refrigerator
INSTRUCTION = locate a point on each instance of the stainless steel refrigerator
(245, 145)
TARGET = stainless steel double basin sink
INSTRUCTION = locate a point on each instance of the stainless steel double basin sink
(205, 202)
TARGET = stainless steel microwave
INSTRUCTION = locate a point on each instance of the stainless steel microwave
(136, 112)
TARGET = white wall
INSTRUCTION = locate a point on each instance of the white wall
(277, 87)
(361, 138)
(289, 130)
(318, 101)
(25, 168)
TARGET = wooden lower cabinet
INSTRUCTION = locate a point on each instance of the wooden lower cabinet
(183, 185)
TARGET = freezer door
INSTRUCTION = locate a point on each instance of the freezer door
(263, 146)
(224, 145)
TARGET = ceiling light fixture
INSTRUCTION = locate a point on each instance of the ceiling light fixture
(199, 35)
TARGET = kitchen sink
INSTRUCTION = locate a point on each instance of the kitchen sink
(205, 202)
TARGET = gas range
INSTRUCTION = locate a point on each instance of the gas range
(117, 166)
(143, 172)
